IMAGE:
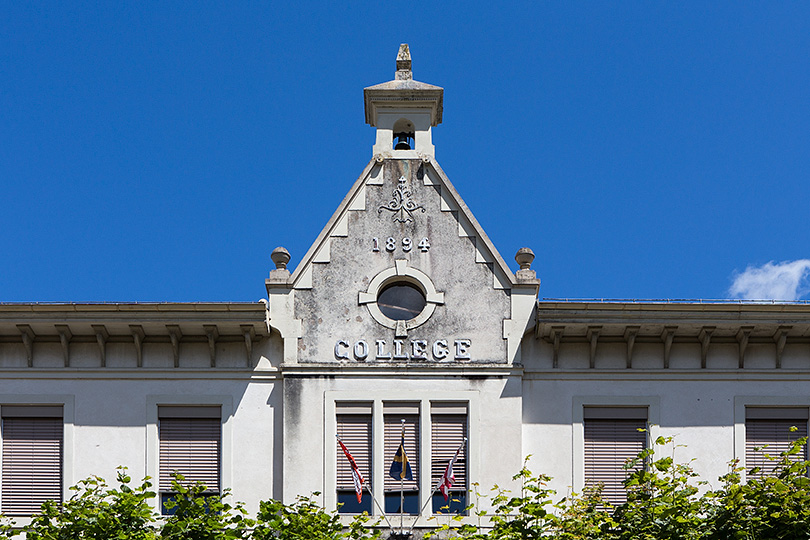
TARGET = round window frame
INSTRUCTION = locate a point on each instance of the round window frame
(401, 273)
(402, 284)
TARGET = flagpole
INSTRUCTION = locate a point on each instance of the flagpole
(432, 493)
(423, 509)
(373, 498)
(435, 488)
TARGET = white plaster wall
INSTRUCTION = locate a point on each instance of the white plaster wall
(330, 310)
(110, 423)
(12, 355)
(794, 356)
(119, 355)
(49, 355)
(698, 413)
(496, 442)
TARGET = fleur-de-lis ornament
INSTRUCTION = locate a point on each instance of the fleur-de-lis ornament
(402, 204)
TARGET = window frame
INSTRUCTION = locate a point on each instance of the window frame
(741, 403)
(580, 403)
(362, 410)
(380, 462)
(449, 410)
(153, 402)
(412, 412)
(67, 401)
(615, 429)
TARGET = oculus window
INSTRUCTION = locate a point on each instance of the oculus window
(401, 301)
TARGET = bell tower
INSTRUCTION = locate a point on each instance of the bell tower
(403, 111)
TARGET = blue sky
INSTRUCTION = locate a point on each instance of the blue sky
(159, 151)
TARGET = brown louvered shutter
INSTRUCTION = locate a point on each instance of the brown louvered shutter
(448, 429)
(609, 443)
(190, 446)
(392, 417)
(32, 461)
(354, 429)
(771, 428)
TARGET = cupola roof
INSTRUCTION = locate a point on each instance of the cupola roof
(403, 92)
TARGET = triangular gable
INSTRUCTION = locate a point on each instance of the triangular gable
(468, 226)
(451, 201)
(338, 225)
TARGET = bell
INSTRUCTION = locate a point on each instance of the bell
(402, 142)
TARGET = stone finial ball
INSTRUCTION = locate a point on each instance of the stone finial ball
(524, 258)
(280, 257)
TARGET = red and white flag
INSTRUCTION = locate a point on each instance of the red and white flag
(447, 479)
(356, 476)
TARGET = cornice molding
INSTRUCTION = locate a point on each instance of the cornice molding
(475, 370)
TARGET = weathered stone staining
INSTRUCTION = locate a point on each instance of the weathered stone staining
(404, 350)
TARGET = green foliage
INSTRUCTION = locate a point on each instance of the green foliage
(661, 504)
(359, 530)
(453, 522)
(7, 529)
(772, 506)
(305, 519)
(200, 516)
(98, 512)
(527, 515)
(585, 516)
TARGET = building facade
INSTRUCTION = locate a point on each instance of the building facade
(402, 324)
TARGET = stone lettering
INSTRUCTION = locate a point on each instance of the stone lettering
(360, 350)
(462, 349)
(338, 353)
(440, 350)
(398, 352)
(419, 349)
(381, 354)
(403, 349)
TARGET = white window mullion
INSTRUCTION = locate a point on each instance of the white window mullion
(425, 487)
(378, 449)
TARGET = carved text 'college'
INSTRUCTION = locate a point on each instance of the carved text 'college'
(400, 349)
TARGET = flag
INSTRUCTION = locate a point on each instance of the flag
(401, 467)
(447, 479)
(356, 476)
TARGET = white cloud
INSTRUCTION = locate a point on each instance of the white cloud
(785, 281)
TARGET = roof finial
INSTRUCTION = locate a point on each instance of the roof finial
(404, 72)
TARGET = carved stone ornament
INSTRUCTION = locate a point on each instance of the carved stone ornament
(402, 205)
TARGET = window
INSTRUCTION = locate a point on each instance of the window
(372, 429)
(768, 432)
(190, 444)
(401, 297)
(401, 301)
(448, 433)
(354, 429)
(402, 424)
(32, 457)
(613, 435)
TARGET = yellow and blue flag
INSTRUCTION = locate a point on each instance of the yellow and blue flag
(401, 468)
